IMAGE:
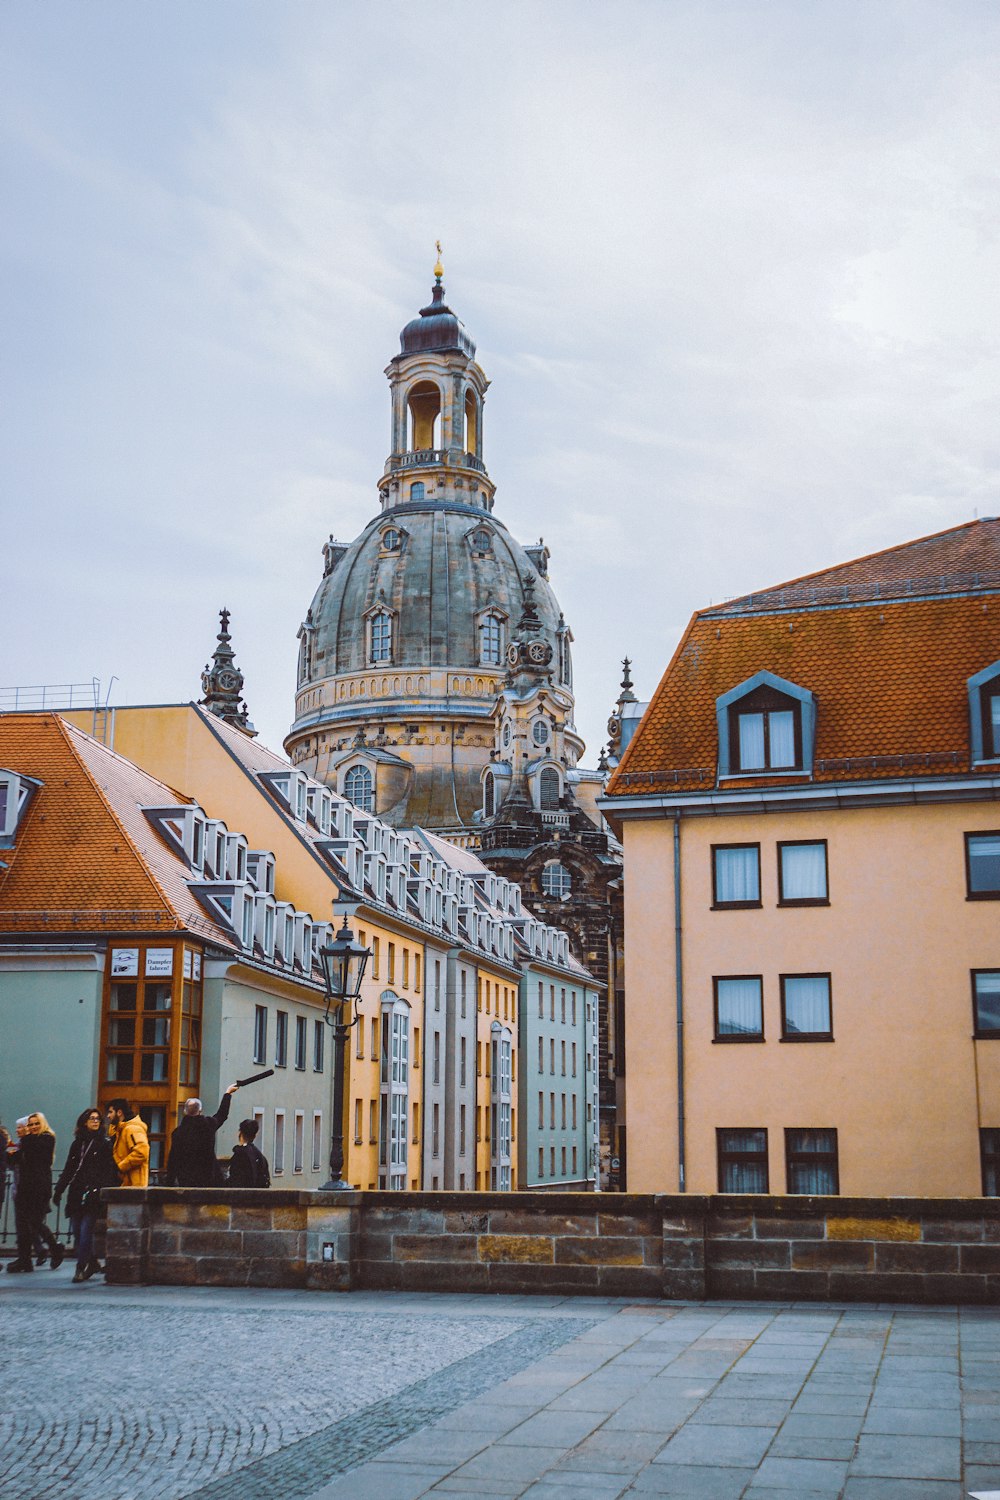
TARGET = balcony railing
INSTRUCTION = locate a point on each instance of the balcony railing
(429, 458)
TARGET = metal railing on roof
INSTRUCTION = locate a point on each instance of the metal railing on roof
(932, 760)
(51, 696)
(650, 778)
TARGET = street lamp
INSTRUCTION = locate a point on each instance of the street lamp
(344, 962)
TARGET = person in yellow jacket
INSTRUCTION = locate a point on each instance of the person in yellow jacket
(129, 1143)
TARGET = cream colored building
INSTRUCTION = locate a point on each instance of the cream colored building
(810, 818)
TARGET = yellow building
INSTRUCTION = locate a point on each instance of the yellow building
(432, 1065)
(812, 862)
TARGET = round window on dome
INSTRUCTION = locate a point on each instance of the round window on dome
(392, 540)
(556, 880)
(540, 732)
(481, 540)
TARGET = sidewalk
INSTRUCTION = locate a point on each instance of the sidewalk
(168, 1394)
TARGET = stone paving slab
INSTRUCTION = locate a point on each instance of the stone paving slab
(248, 1394)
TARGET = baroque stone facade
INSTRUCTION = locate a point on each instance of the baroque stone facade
(435, 679)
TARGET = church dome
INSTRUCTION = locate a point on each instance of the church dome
(436, 328)
(435, 570)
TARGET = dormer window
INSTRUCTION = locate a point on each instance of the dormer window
(491, 639)
(392, 539)
(16, 792)
(359, 789)
(984, 713)
(765, 725)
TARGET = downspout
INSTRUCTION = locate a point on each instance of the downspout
(679, 993)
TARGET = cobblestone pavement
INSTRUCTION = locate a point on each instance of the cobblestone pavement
(171, 1394)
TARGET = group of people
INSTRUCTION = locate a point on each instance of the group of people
(111, 1150)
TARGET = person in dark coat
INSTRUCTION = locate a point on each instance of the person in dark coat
(248, 1168)
(33, 1164)
(89, 1167)
(192, 1161)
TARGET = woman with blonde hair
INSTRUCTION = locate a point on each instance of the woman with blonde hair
(34, 1192)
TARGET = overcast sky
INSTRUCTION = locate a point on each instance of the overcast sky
(731, 268)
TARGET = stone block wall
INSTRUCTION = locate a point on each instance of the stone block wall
(828, 1249)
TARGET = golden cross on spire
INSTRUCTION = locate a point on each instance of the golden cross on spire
(438, 267)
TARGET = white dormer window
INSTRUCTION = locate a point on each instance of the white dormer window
(246, 903)
(16, 792)
(183, 830)
(324, 812)
(236, 857)
(322, 937)
(265, 922)
(984, 713)
(260, 870)
(215, 848)
(765, 724)
(359, 788)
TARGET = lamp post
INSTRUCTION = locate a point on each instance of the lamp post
(344, 962)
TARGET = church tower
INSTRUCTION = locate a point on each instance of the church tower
(426, 620)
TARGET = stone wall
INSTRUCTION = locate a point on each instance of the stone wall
(829, 1249)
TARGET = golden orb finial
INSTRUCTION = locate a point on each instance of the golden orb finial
(438, 267)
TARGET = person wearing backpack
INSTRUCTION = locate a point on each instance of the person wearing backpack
(248, 1167)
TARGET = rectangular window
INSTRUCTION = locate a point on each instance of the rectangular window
(416, 1123)
(300, 1043)
(258, 1116)
(461, 1130)
(374, 1051)
(541, 1000)
(436, 1130)
(359, 1038)
(574, 1161)
(986, 1001)
(562, 1053)
(742, 1161)
(317, 1141)
(802, 874)
(739, 1008)
(573, 1101)
(406, 968)
(357, 1121)
(811, 1161)
(562, 1006)
(319, 1031)
(989, 1151)
(416, 980)
(279, 1142)
(541, 1054)
(552, 1002)
(299, 1141)
(541, 1161)
(260, 1034)
(552, 1111)
(982, 866)
(541, 1110)
(574, 1058)
(735, 875)
(372, 1122)
(375, 955)
(564, 1111)
(805, 1008)
(281, 1039)
(391, 963)
(462, 1062)
(463, 987)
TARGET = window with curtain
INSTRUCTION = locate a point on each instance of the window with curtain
(986, 1001)
(742, 1158)
(735, 874)
(982, 864)
(805, 1007)
(989, 1150)
(765, 732)
(802, 879)
(811, 1161)
(739, 1010)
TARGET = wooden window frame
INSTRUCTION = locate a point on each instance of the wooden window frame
(989, 1158)
(722, 1155)
(804, 900)
(977, 1030)
(718, 905)
(728, 1038)
(970, 894)
(807, 1036)
(764, 700)
(811, 1157)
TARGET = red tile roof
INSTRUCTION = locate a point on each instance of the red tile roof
(887, 661)
(85, 857)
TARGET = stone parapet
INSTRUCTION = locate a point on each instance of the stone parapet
(724, 1247)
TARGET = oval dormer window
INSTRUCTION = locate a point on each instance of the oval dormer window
(391, 540)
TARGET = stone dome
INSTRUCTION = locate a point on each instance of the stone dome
(436, 567)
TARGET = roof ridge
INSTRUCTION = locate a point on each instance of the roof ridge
(851, 562)
(67, 729)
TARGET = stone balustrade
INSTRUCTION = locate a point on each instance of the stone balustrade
(685, 1247)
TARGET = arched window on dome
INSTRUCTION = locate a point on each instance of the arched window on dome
(424, 405)
(557, 881)
(418, 490)
(491, 643)
(359, 788)
(548, 789)
(381, 636)
(471, 423)
(489, 795)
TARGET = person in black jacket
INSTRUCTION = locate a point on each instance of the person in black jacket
(89, 1167)
(192, 1162)
(33, 1165)
(248, 1168)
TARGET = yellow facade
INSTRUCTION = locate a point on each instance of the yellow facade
(903, 1081)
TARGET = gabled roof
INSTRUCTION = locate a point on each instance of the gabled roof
(885, 644)
(86, 859)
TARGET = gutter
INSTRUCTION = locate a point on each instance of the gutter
(679, 997)
(815, 797)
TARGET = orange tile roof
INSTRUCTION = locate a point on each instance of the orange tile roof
(888, 666)
(85, 858)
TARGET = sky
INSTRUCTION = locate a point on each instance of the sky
(731, 267)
